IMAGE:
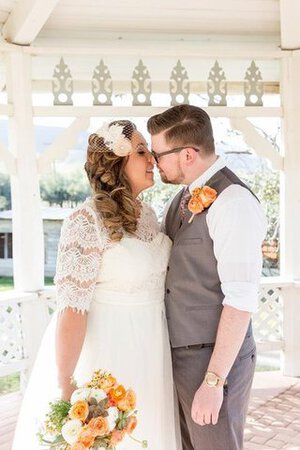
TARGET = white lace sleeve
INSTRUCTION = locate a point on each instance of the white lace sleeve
(81, 245)
(148, 226)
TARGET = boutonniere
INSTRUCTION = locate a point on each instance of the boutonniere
(201, 198)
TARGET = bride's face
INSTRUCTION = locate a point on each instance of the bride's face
(140, 165)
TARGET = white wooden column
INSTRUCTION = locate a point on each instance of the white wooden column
(290, 206)
(28, 245)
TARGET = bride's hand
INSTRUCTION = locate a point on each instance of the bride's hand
(67, 391)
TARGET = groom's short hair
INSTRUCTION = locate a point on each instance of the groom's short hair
(184, 125)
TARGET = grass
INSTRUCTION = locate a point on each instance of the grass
(10, 383)
(7, 283)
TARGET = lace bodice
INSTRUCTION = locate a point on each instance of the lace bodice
(83, 244)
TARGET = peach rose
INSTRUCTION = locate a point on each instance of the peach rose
(128, 403)
(116, 437)
(107, 383)
(118, 393)
(80, 410)
(208, 196)
(131, 424)
(86, 437)
(98, 426)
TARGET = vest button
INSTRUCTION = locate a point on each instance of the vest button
(168, 268)
(168, 291)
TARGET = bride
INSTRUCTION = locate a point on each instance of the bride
(110, 278)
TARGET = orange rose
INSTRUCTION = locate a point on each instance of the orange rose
(128, 403)
(201, 198)
(195, 205)
(117, 394)
(86, 437)
(116, 437)
(208, 196)
(131, 424)
(98, 426)
(80, 410)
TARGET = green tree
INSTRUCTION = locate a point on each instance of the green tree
(54, 189)
(5, 192)
(65, 189)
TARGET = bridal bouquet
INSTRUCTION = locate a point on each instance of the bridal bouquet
(99, 415)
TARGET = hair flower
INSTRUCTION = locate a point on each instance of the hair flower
(201, 199)
(114, 139)
(122, 146)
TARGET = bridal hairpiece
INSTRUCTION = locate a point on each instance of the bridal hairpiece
(114, 139)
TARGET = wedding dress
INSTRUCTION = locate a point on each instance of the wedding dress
(121, 285)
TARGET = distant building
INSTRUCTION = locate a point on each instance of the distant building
(52, 222)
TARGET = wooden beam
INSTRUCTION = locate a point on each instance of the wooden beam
(6, 110)
(61, 146)
(158, 86)
(289, 19)
(26, 20)
(8, 159)
(260, 144)
(146, 111)
(28, 242)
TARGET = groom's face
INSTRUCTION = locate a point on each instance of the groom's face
(169, 166)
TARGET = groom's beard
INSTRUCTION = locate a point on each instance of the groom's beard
(177, 179)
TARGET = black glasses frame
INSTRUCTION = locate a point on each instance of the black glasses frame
(156, 156)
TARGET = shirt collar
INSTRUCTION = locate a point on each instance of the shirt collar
(210, 172)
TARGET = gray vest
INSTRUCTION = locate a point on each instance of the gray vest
(193, 289)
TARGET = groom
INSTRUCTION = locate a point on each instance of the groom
(212, 281)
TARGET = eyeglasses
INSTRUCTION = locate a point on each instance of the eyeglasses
(156, 156)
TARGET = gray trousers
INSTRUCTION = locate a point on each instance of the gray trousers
(189, 367)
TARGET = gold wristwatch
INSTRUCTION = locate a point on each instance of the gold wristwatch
(211, 379)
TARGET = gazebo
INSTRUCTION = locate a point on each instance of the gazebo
(80, 60)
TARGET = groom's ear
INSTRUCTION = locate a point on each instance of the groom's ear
(190, 155)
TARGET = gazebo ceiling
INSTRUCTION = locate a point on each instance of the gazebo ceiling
(166, 16)
(119, 18)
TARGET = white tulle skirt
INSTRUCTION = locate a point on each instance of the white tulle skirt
(126, 335)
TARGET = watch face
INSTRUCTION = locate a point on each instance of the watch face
(211, 379)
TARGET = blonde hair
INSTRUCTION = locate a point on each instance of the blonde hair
(112, 193)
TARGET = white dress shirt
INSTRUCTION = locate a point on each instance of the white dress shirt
(237, 225)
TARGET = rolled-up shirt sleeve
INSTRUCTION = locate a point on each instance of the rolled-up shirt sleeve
(237, 226)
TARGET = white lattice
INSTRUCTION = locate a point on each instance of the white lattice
(11, 338)
(49, 297)
(268, 321)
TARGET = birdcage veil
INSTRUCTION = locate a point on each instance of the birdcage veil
(116, 137)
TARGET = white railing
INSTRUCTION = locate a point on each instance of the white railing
(24, 317)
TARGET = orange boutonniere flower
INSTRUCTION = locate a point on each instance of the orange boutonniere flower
(201, 198)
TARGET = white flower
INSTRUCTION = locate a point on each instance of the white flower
(80, 394)
(114, 139)
(115, 131)
(86, 393)
(122, 146)
(113, 414)
(98, 394)
(71, 430)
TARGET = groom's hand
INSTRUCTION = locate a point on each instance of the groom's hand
(207, 404)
